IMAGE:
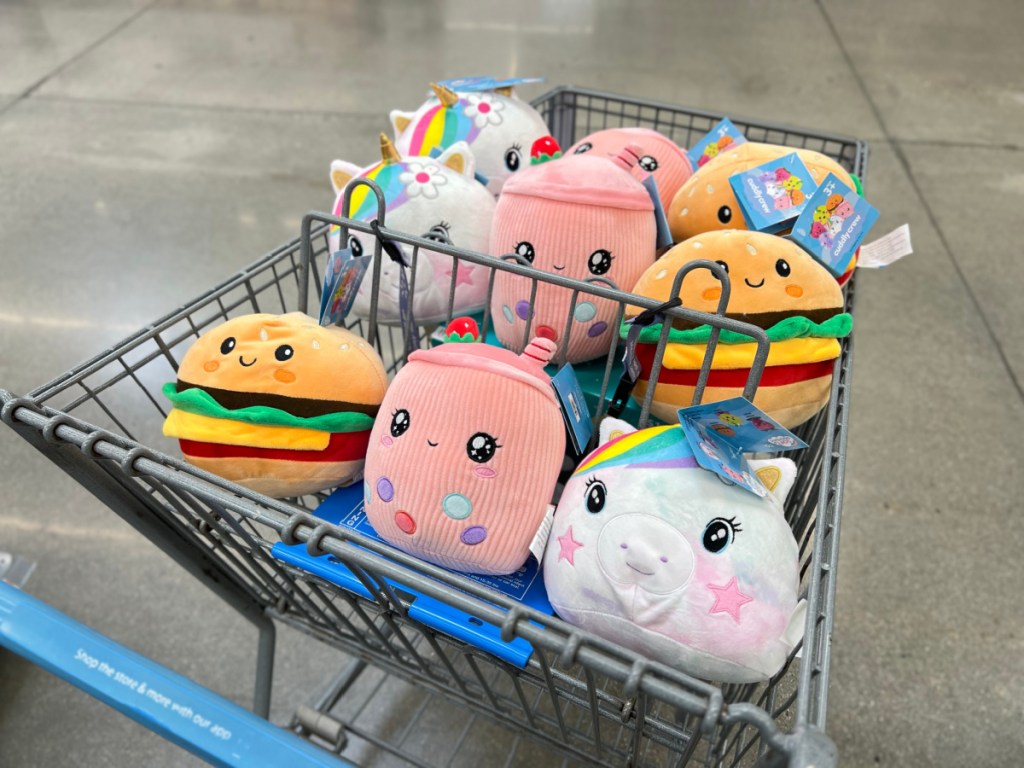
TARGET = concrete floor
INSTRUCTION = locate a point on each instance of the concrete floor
(148, 149)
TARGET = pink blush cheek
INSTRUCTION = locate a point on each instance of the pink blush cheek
(485, 472)
(387, 441)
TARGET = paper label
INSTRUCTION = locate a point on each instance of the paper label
(720, 433)
(886, 249)
(773, 195)
(475, 84)
(664, 234)
(343, 276)
(574, 407)
(540, 539)
(722, 137)
(833, 224)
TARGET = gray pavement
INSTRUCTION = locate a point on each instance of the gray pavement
(149, 149)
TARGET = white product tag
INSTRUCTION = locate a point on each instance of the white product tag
(540, 539)
(886, 249)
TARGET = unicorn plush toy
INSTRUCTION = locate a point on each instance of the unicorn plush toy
(503, 131)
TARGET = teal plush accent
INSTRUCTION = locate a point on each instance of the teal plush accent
(197, 401)
(796, 327)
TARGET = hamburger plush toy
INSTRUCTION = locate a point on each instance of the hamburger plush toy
(775, 285)
(276, 403)
(706, 203)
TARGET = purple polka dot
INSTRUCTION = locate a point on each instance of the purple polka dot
(597, 328)
(523, 309)
(385, 489)
(474, 535)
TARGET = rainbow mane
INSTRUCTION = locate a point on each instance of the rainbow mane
(657, 447)
(442, 126)
(363, 205)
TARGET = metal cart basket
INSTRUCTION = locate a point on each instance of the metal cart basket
(582, 698)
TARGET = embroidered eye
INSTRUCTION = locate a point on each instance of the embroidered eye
(399, 422)
(439, 233)
(719, 534)
(355, 246)
(782, 267)
(648, 163)
(513, 158)
(600, 261)
(723, 265)
(481, 447)
(725, 214)
(586, 146)
(227, 345)
(525, 250)
(284, 353)
(597, 495)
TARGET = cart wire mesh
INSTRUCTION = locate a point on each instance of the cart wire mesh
(578, 696)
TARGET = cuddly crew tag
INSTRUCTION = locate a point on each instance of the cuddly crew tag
(342, 278)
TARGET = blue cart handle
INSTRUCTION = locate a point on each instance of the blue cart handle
(194, 717)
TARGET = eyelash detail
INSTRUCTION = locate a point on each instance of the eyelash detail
(517, 147)
(735, 526)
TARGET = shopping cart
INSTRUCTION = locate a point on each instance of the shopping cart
(582, 698)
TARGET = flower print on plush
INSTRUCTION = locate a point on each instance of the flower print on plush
(484, 109)
(422, 179)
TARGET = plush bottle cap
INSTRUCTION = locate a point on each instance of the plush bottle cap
(583, 180)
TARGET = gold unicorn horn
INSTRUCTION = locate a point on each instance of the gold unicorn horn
(388, 153)
(445, 95)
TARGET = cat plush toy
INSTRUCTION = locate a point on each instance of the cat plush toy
(503, 131)
(464, 455)
(585, 217)
(706, 202)
(653, 552)
(437, 198)
(659, 156)
(774, 284)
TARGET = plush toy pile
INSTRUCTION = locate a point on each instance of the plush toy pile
(459, 455)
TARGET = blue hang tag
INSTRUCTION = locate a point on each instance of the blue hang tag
(833, 224)
(720, 433)
(723, 137)
(341, 285)
(476, 84)
(574, 407)
(664, 237)
(772, 195)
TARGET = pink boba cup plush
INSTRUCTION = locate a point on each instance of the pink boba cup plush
(584, 217)
(659, 156)
(464, 455)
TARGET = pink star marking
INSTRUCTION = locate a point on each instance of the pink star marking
(729, 599)
(463, 273)
(569, 546)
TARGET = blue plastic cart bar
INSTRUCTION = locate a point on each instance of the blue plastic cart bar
(193, 717)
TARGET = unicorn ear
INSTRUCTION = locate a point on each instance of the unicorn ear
(778, 476)
(506, 90)
(342, 173)
(401, 120)
(459, 157)
(612, 428)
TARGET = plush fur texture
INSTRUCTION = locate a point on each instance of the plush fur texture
(659, 156)
(775, 285)
(500, 128)
(584, 217)
(650, 551)
(435, 198)
(276, 403)
(464, 456)
(706, 202)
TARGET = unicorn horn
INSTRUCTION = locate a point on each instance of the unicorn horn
(388, 153)
(445, 95)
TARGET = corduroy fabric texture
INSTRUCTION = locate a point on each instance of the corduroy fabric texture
(651, 551)
(583, 217)
(671, 167)
(464, 456)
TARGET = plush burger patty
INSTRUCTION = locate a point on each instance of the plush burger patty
(301, 407)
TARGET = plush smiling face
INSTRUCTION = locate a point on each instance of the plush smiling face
(659, 156)
(464, 456)
(437, 199)
(500, 128)
(706, 202)
(583, 217)
(650, 551)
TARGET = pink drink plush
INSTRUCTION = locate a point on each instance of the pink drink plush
(464, 455)
(659, 156)
(584, 217)
(652, 552)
